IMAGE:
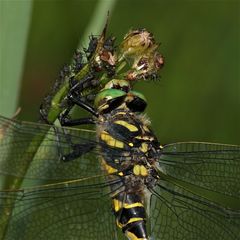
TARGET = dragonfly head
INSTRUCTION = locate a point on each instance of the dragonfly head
(110, 99)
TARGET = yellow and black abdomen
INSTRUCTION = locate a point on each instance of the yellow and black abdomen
(130, 215)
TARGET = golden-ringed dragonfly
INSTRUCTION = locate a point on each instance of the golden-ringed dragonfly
(117, 182)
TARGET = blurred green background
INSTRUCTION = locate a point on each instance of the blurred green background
(198, 95)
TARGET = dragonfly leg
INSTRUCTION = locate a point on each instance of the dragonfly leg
(78, 151)
(66, 121)
(78, 87)
(76, 100)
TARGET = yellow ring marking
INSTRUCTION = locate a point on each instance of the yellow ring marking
(131, 220)
(132, 236)
(119, 205)
(132, 205)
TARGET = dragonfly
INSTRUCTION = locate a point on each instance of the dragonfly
(115, 182)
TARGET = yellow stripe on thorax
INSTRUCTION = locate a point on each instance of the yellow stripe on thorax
(130, 127)
(109, 140)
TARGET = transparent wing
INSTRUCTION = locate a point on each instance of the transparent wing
(178, 214)
(198, 195)
(58, 209)
(215, 167)
(78, 209)
(33, 150)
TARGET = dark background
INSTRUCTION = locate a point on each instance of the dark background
(198, 95)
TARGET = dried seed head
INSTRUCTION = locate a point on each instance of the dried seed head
(141, 51)
(108, 57)
(146, 65)
(136, 42)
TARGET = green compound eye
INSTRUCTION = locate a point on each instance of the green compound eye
(106, 96)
